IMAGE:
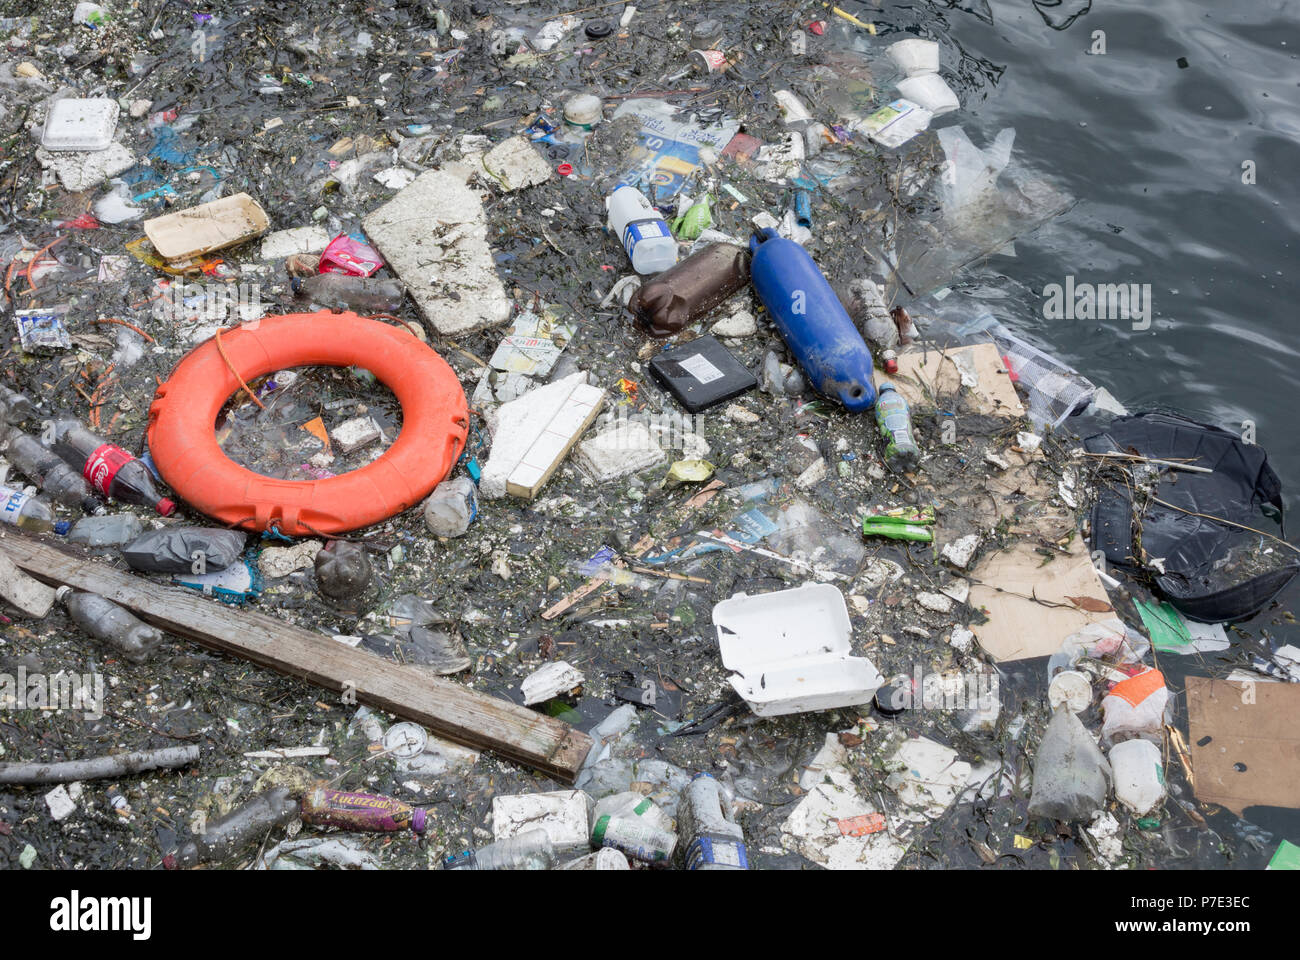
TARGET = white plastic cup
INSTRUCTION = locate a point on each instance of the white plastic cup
(641, 229)
(915, 57)
(931, 92)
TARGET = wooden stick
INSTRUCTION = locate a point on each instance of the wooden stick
(98, 768)
(448, 709)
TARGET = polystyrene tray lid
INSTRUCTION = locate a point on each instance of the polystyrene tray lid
(811, 620)
(74, 124)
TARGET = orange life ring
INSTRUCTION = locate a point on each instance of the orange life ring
(182, 420)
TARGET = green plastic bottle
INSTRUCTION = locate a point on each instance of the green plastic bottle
(895, 422)
(897, 531)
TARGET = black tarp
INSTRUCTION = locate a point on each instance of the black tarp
(1198, 553)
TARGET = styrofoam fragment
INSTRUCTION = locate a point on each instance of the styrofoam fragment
(550, 681)
(627, 447)
(563, 814)
(433, 235)
(354, 434)
(515, 164)
(285, 243)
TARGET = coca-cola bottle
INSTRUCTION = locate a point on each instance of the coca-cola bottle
(114, 472)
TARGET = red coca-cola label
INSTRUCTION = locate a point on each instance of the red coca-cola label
(102, 466)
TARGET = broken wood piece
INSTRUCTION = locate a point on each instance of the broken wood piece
(448, 709)
(98, 768)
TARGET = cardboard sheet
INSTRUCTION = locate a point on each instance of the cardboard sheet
(1019, 628)
(926, 377)
(207, 227)
(1245, 741)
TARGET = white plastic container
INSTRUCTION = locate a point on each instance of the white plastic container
(641, 229)
(75, 124)
(931, 92)
(1139, 776)
(915, 57)
(790, 651)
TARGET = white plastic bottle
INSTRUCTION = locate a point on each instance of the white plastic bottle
(1139, 775)
(641, 229)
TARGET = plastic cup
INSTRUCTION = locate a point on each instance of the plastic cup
(915, 57)
(930, 92)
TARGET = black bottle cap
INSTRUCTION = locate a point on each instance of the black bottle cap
(597, 29)
(479, 9)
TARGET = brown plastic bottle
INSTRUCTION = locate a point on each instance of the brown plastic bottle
(691, 289)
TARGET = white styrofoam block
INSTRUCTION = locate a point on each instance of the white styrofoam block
(626, 447)
(550, 681)
(533, 431)
(433, 234)
(355, 433)
(285, 243)
(563, 814)
(515, 163)
(80, 171)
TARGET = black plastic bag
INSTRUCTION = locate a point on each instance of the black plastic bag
(1213, 571)
(196, 550)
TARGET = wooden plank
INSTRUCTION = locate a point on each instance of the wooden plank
(449, 709)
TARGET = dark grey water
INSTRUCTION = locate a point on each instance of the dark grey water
(1154, 152)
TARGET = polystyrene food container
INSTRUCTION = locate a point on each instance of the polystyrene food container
(790, 651)
(74, 124)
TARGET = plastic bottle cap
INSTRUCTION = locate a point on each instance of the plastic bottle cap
(166, 507)
(598, 29)
(564, 169)
(62, 593)
(62, 528)
(419, 820)
(480, 9)
(169, 862)
(598, 831)
(702, 773)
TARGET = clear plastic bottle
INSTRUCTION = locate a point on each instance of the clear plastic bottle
(717, 841)
(114, 472)
(45, 468)
(632, 804)
(106, 530)
(341, 291)
(895, 422)
(641, 229)
(242, 827)
(29, 513)
(15, 407)
(531, 850)
(105, 620)
(634, 837)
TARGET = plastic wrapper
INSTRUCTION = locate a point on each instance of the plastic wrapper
(184, 550)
